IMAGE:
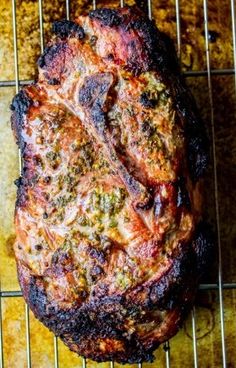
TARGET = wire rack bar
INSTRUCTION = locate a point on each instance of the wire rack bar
(230, 285)
(7, 294)
(12, 83)
(205, 10)
(204, 73)
(140, 365)
(94, 4)
(112, 365)
(28, 344)
(56, 355)
(195, 356)
(166, 348)
(122, 3)
(149, 4)
(15, 45)
(178, 30)
(1, 337)
(41, 25)
(68, 9)
(233, 16)
(84, 363)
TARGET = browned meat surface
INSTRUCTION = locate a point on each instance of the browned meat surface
(110, 240)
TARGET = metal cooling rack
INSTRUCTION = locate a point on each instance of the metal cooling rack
(208, 73)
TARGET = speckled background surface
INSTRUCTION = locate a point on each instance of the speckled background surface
(224, 99)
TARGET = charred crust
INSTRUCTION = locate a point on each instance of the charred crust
(67, 28)
(18, 182)
(147, 101)
(47, 179)
(147, 129)
(196, 139)
(95, 272)
(50, 52)
(107, 17)
(42, 59)
(97, 254)
(98, 116)
(95, 87)
(21, 197)
(86, 92)
(62, 262)
(37, 298)
(84, 326)
(22, 184)
(103, 318)
(176, 286)
(143, 5)
(146, 204)
(53, 82)
(20, 106)
(204, 245)
(93, 96)
(182, 197)
(155, 46)
(52, 62)
(198, 156)
(158, 46)
(110, 57)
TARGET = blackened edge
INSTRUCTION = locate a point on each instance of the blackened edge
(19, 107)
(204, 246)
(78, 326)
(49, 54)
(178, 285)
(20, 104)
(196, 138)
(66, 28)
(108, 17)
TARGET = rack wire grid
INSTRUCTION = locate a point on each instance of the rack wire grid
(219, 286)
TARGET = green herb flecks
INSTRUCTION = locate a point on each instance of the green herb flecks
(108, 203)
(123, 279)
(53, 159)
